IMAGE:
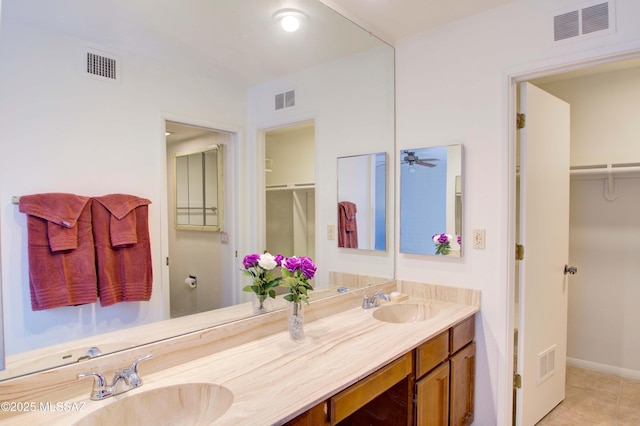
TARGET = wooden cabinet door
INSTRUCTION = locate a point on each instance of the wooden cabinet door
(462, 386)
(432, 398)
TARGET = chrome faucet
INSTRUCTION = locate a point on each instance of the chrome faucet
(122, 381)
(374, 301)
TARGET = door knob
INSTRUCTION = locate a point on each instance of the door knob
(570, 270)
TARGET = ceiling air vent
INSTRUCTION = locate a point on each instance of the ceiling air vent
(286, 99)
(592, 18)
(101, 66)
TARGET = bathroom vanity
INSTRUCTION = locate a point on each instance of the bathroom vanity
(430, 385)
(350, 362)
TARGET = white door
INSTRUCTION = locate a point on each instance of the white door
(544, 233)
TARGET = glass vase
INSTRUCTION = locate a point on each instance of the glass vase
(295, 320)
(262, 303)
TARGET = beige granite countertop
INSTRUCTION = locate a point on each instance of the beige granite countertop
(273, 379)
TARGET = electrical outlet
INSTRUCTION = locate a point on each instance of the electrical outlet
(478, 238)
(331, 232)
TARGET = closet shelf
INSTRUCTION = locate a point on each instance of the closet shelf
(289, 186)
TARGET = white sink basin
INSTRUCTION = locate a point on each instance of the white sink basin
(406, 312)
(185, 404)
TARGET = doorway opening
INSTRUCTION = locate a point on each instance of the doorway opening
(198, 251)
(290, 190)
(546, 82)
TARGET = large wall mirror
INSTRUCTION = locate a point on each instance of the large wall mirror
(431, 200)
(362, 191)
(86, 92)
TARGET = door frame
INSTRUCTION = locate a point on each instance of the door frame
(513, 79)
(231, 226)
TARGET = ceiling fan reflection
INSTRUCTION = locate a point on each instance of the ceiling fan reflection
(412, 159)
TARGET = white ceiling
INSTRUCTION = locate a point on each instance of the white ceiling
(395, 19)
(233, 39)
(238, 39)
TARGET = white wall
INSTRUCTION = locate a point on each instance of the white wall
(64, 132)
(604, 235)
(604, 113)
(452, 87)
(350, 103)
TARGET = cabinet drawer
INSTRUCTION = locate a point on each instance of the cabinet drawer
(357, 395)
(462, 334)
(429, 355)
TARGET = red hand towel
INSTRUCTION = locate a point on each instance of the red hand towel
(347, 227)
(61, 253)
(123, 248)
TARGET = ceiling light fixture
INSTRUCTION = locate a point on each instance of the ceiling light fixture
(290, 19)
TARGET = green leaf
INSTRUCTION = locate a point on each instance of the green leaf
(272, 294)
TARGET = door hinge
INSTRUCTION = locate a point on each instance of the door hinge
(520, 121)
(517, 381)
(167, 261)
(519, 252)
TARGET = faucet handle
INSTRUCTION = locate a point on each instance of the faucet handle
(133, 378)
(100, 389)
(134, 364)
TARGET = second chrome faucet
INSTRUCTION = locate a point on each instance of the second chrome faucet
(374, 301)
(124, 380)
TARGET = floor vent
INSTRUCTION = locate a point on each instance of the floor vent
(101, 66)
(546, 364)
(593, 18)
(286, 100)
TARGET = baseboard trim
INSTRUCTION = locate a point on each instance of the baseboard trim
(604, 368)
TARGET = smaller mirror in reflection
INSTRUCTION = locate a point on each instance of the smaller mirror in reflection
(198, 189)
(362, 201)
(431, 200)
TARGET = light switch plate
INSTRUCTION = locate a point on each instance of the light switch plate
(331, 232)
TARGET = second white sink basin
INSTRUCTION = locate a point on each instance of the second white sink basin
(186, 404)
(405, 312)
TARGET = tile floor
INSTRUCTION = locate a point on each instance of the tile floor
(594, 398)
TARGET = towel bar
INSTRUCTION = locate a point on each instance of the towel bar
(15, 199)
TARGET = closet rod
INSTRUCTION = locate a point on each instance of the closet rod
(606, 168)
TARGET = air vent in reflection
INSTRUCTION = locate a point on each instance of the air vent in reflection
(286, 100)
(102, 66)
